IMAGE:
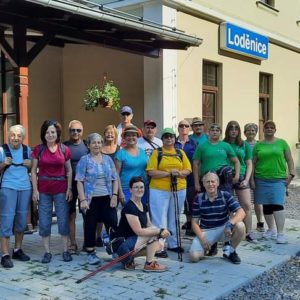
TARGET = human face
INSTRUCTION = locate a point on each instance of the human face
(75, 132)
(15, 138)
(51, 134)
(138, 189)
(211, 184)
(233, 131)
(131, 138)
(95, 146)
(269, 130)
(126, 118)
(149, 131)
(250, 133)
(168, 139)
(198, 129)
(109, 135)
(214, 133)
(183, 128)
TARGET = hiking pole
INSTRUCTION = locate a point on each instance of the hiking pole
(116, 260)
(177, 221)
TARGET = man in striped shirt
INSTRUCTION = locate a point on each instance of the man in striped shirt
(217, 216)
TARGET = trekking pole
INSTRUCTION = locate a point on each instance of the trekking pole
(177, 221)
(116, 260)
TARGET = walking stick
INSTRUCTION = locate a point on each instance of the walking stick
(116, 260)
(177, 221)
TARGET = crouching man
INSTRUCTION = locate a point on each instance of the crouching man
(220, 217)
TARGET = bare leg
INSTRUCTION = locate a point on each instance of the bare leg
(5, 245)
(65, 242)
(279, 220)
(238, 234)
(18, 239)
(270, 221)
(46, 243)
(258, 212)
(244, 198)
(72, 224)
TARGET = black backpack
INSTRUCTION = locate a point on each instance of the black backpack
(43, 148)
(160, 155)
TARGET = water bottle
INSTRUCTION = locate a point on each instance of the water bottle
(226, 249)
(105, 238)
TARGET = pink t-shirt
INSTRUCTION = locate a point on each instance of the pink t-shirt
(52, 165)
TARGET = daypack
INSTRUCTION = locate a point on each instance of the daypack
(8, 154)
(160, 155)
(43, 148)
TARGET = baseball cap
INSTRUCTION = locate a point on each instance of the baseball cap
(126, 109)
(197, 120)
(167, 130)
(149, 122)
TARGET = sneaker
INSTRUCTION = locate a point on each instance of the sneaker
(29, 229)
(6, 262)
(250, 237)
(93, 259)
(260, 227)
(281, 239)
(46, 258)
(233, 257)
(154, 267)
(20, 255)
(213, 250)
(270, 234)
(130, 266)
(67, 256)
(176, 249)
(162, 254)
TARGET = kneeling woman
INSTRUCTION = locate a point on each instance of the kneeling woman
(136, 227)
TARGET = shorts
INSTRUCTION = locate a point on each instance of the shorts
(14, 206)
(237, 186)
(213, 235)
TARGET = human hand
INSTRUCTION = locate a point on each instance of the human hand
(27, 163)
(244, 183)
(114, 201)
(84, 205)
(7, 161)
(204, 242)
(165, 233)
(69, 195)
(235, 180)
(228, 230)
(35, 196)
(175, 172)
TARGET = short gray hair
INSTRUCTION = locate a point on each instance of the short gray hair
(249, 126)
(210, 174)
(17, 127)
(94, 136)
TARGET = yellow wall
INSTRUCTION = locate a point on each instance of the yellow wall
(240, 82)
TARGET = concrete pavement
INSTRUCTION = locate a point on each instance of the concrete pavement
(209, 279)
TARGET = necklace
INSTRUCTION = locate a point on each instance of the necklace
(138, 204)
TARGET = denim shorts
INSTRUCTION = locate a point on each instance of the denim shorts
(127, 246)
(14, 207)
(45, 213)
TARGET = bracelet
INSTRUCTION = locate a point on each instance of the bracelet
(115, 194)
(292, 175)
(82, 200)
(160, 232)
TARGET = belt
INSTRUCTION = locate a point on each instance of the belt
(57, 178)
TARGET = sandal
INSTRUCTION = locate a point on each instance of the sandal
(73, 248)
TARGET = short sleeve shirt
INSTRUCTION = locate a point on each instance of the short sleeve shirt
(243, 153)
(130, 208)
(52, 165)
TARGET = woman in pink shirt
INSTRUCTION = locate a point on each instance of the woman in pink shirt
(52, 184)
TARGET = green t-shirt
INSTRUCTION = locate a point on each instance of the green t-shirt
(213, 156)
(243, 153)
(270, 160)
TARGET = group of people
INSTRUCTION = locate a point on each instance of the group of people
(152, 179)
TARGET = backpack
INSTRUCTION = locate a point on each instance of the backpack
(8, 154)
(43, 148)
(160, 155)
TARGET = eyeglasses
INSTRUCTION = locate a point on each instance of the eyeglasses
(125, 114)
(74, 130)
(139, 187)
(168, 136)
(183, 126)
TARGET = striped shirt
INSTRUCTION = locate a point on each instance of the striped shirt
(216, 213)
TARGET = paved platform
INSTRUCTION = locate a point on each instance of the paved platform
(208, 279)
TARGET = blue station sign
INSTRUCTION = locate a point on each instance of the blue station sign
(242, 41)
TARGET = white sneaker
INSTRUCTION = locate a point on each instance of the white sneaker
(251, 238)
(93, 259)
(270, 234)
(281, 239)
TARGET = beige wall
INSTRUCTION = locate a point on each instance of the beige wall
(58, 78)
(240, 82)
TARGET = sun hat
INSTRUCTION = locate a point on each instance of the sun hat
(197, 120)
(131, 129)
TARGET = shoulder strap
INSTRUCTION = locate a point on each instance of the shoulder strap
(25, 151)
(63, 149)
(6, 150)
(41, 151)
(161, 154)
(152, 144)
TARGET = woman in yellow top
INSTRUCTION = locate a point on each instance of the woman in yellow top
(164, 163)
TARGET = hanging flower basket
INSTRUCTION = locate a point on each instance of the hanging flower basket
(107, 95)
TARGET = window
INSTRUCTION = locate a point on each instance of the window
(268, 2)
(265, 100)
(8, 100)
(210, 92)
(268, 5)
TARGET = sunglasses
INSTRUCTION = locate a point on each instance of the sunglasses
(126, 114)
(75, 130)
(168, 136)
(183, 126)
